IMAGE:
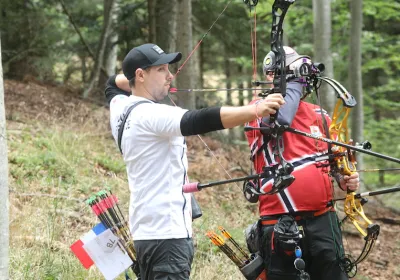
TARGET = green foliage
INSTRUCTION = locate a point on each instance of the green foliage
(66, 163)
(45, 159)
(39, 40)
(110, 164)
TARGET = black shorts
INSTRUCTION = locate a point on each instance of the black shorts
(321, 247)
(164, 259)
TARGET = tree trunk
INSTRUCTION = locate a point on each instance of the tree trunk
(4, 205)
(285, 38)
(83, 68)
(166, 15)
(322, 53)
(111, 50)
(185, 78)
(249, 92)
(94, 77)
(355, 77)
(151, 8)
(165, 29)
(200, 98)
(242, 136)
(228, 81)
(381, 178)
(241, 85)
(196, 70)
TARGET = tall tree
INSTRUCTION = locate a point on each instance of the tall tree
(185, 45)
(4, 228)
(166, 15)
(151, 8)
(355, 77)
(111, 51)
(322, 47)
(94, 77)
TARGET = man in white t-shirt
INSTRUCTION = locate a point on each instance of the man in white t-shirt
(154, 150)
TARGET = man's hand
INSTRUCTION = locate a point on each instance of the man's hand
(351, 183)
(269, 105)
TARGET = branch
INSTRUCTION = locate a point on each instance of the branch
(80, 35)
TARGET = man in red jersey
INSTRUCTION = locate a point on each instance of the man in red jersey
(303, 209)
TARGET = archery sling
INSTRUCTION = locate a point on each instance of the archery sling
(196, 210)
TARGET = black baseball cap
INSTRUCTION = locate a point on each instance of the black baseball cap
(145, 56)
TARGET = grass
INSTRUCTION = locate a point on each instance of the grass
(54, 168)
(61, 163)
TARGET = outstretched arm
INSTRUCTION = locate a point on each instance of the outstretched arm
(216, 118)
(292, 99)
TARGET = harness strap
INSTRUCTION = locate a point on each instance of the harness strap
(272, 220)
(122, 125)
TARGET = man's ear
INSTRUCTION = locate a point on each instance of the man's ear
(139, 74)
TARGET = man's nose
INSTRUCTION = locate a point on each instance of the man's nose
(170, 76)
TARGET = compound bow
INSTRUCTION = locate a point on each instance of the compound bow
(343, 162)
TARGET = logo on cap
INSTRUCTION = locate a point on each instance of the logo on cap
(157, 49)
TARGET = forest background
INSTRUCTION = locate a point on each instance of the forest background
(56, 56)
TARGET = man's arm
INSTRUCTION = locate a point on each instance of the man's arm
(122, 82)
(234, 116)
(286, 113)
(116, 84)
(216, 118)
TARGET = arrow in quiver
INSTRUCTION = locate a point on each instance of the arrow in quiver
(105, 206)
(250, 265)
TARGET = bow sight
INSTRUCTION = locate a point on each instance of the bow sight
(306, 69)
(306, 72)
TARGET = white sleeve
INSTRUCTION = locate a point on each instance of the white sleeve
(163, 120)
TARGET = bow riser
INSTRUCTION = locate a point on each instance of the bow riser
(279, 10)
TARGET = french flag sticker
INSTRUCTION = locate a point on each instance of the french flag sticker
(80, 252)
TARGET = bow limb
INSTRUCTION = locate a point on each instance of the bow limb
(344, 159)
(355, 212)
(344, 163)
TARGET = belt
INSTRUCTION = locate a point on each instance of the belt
(272, 220)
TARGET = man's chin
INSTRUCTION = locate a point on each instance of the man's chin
(162, 96)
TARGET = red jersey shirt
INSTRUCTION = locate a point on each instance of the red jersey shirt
(312, 188)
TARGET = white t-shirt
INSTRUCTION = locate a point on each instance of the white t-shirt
(154, 151)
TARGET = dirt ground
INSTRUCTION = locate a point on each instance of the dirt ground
(43, 103)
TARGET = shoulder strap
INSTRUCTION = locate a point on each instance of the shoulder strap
(121, 127)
